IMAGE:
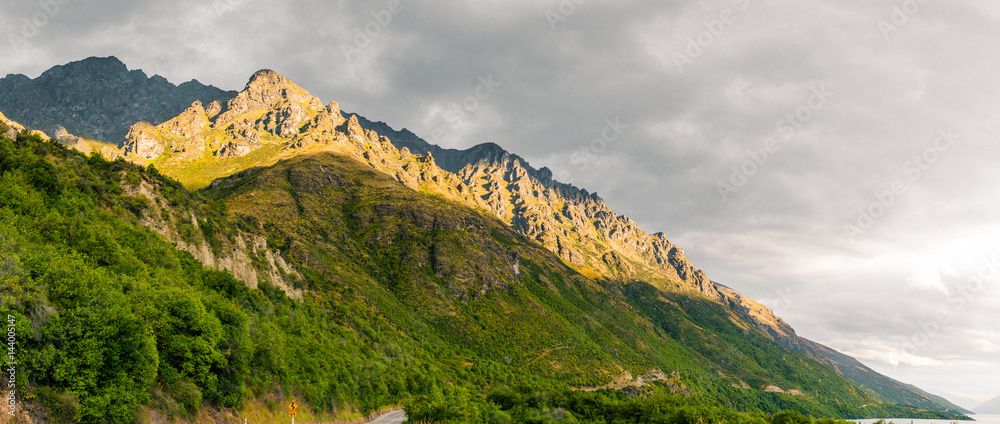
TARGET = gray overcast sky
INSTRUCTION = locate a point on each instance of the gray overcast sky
(854, 94)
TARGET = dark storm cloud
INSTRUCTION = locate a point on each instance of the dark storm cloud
(562, 73)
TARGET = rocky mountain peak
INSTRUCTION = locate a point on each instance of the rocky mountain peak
(270, 91)
(265, 77)
(267, 86)
(98, 98)
(189, 123)
(490, 152)
(99, 67)
(270, 110)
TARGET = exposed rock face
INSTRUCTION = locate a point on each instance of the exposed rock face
(240, 142)
(284, 122)
(110, 153)
(142, 143)
(59, 133)
(213, 108)
(233, 149)
(234, 255)
(323, 126)
(576, 224)
(12, 127)
(98, 98)
(270, 106)
(189, 123)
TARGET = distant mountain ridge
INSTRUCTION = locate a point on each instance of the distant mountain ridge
(964, 402)
(991, 406)
(98, 98)
(273, 119)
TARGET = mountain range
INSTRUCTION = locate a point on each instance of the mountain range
(489, 258)
(991, 406)
(97, 98)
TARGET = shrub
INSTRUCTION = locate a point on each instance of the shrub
(61, 406)
(188, 397)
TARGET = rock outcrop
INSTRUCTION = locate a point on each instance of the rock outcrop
(60, 134)
(12, 128)
(189, 123)
(141, 142)
(234, 149)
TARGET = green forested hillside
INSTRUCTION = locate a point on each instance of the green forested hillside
(110, 317)
(407, 299)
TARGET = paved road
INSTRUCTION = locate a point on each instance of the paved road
(391, 418)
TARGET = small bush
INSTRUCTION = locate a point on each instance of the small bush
(61, 406)
(188, 397)
(164, 403)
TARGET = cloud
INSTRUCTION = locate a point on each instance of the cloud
(894, 357)
(780, 237)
